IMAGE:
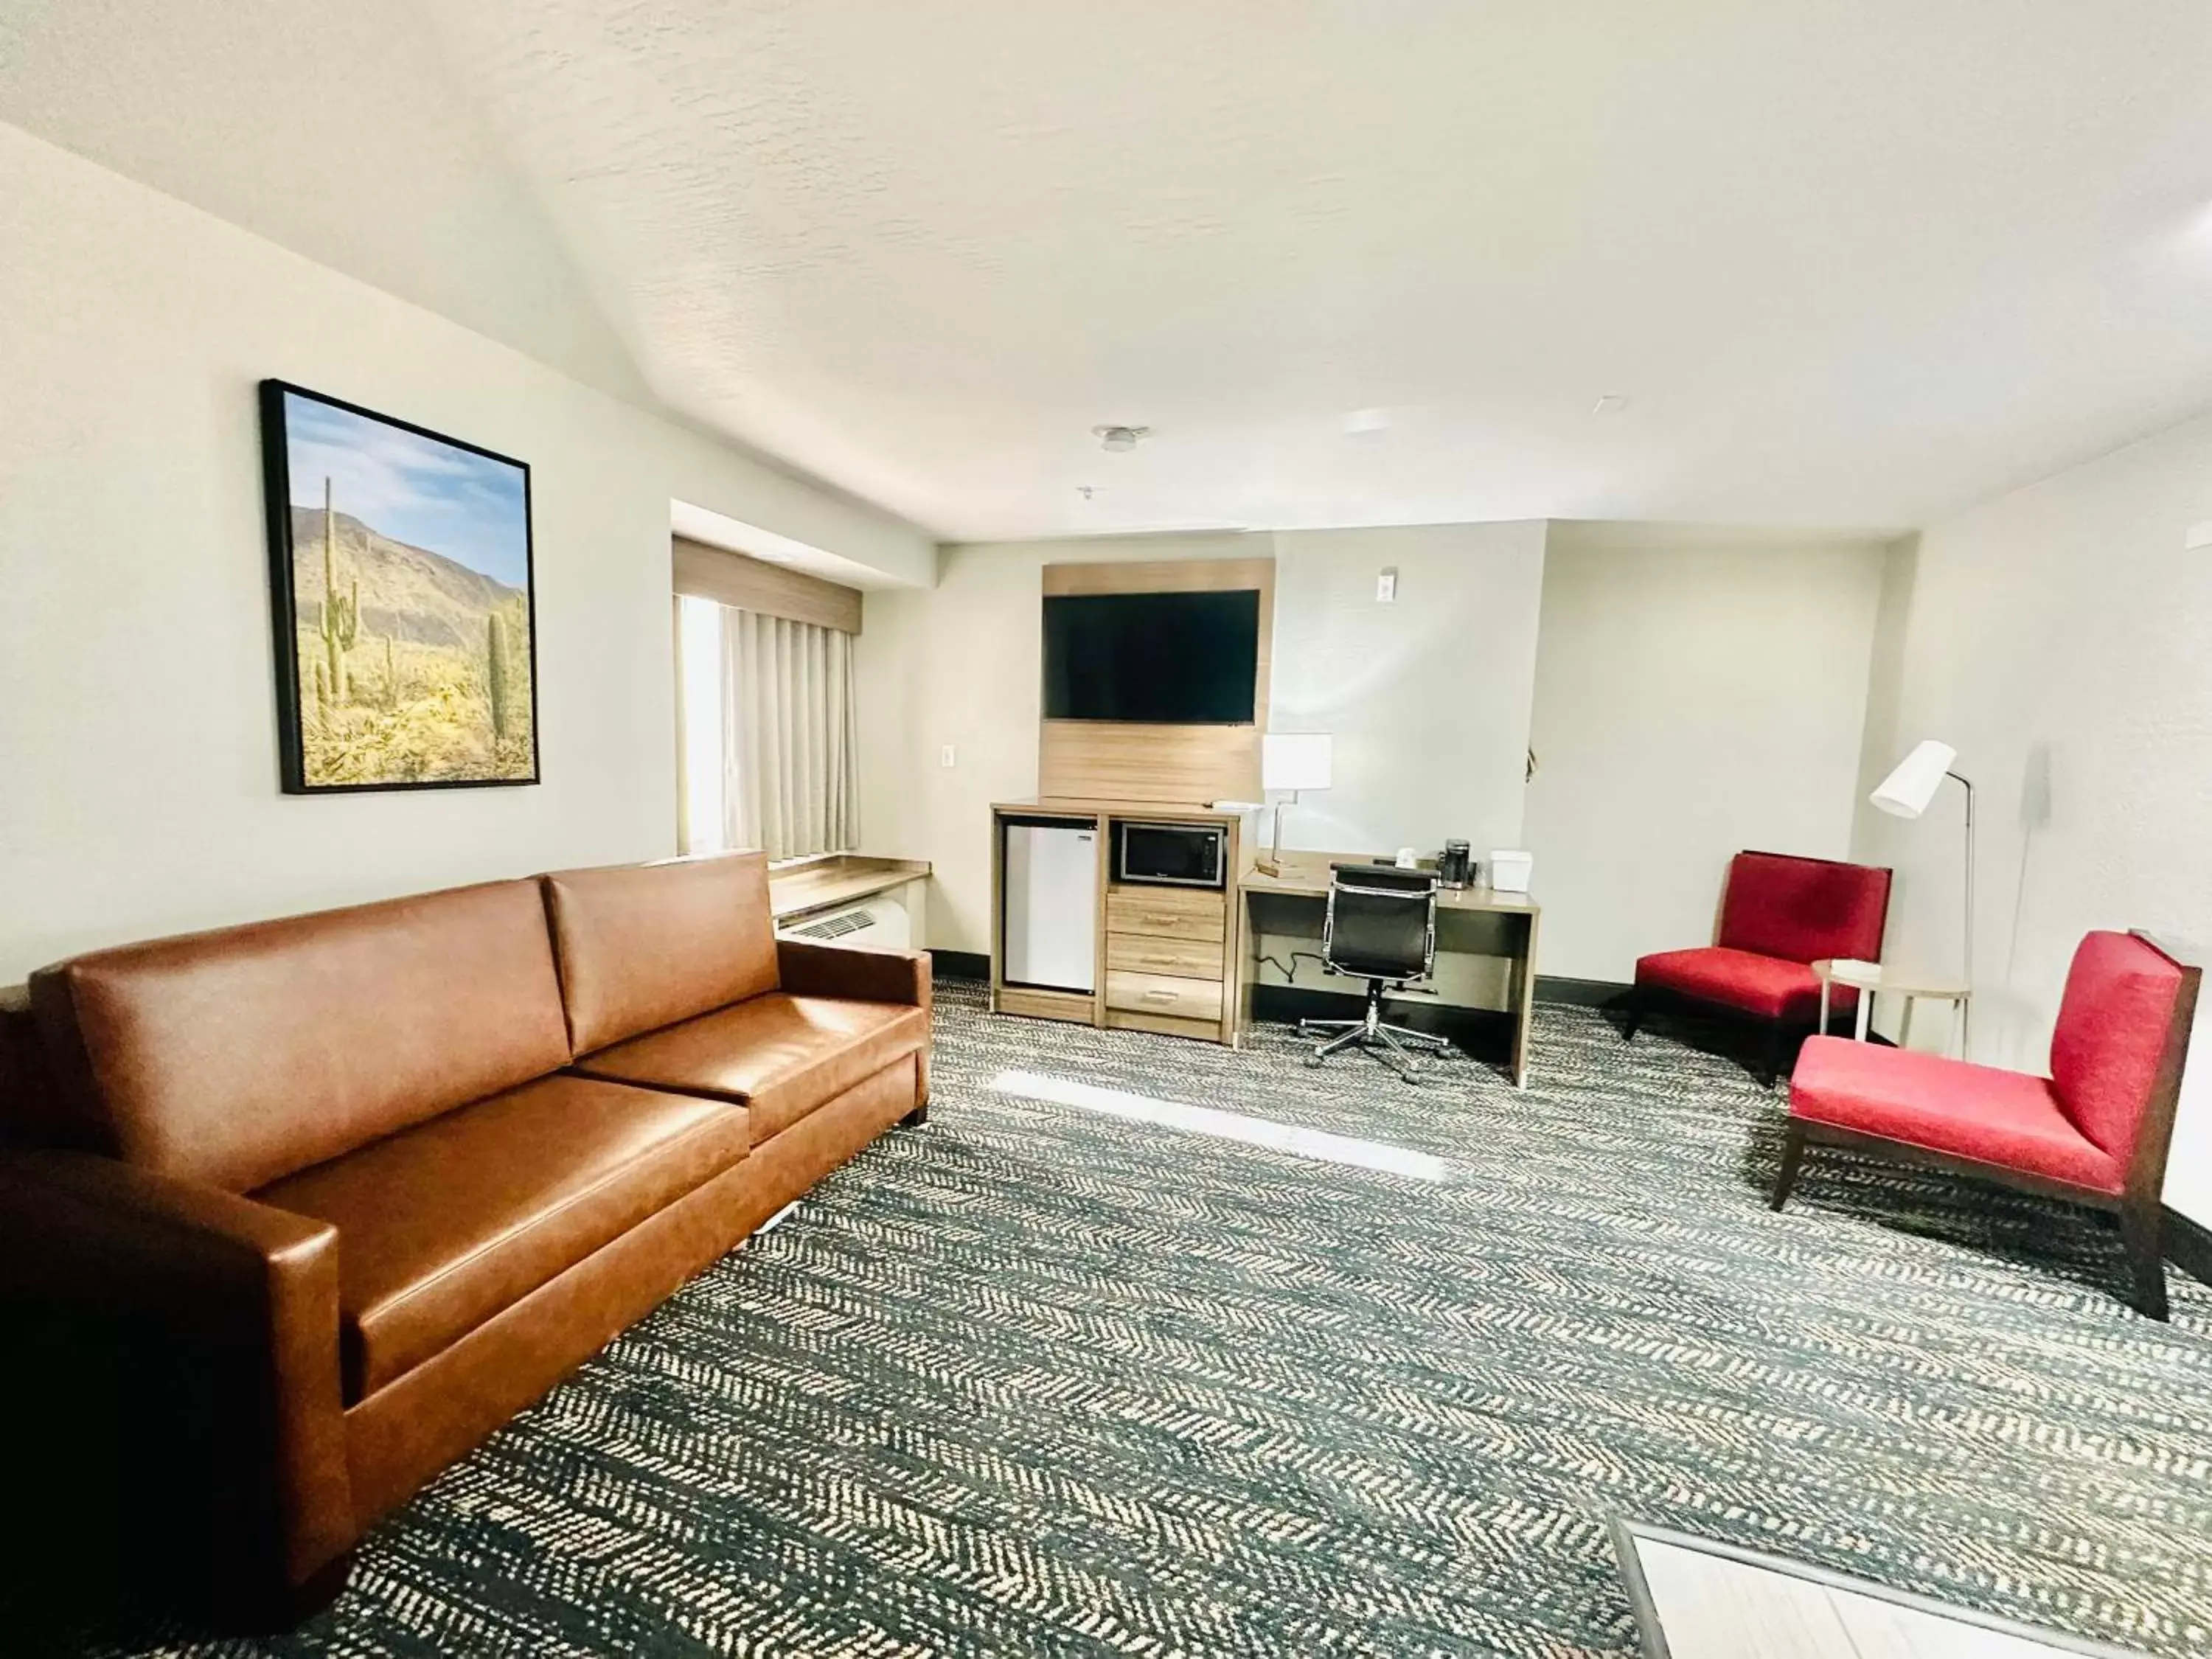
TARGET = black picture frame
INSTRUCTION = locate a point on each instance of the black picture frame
(303, 755)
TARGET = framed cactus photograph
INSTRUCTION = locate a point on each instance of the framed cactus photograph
(399, 564)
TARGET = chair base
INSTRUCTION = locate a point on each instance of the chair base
(2141, 1222)
(1395, 1046)
(1780, 1040)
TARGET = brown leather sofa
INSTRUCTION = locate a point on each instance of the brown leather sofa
(391, 1172)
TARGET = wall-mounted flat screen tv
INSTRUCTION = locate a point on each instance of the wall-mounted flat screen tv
(1167, 658)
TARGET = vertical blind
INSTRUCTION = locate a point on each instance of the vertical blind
(789, 736)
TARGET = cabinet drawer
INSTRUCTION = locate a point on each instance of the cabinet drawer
(1165, 993)
(1148, 953)
(1167, 913)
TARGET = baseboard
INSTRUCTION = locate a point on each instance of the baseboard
(1578, 993)
(960, 964)
(2189, 1245)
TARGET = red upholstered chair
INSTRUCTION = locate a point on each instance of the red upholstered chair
(2094, 1131)
(1779, 915)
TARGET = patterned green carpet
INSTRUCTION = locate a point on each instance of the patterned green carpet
(1041, 1379)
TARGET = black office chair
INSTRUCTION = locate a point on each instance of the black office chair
(1381, 927)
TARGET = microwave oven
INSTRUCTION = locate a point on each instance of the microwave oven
(1171, 855)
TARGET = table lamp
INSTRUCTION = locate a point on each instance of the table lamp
(1290, 762)
(1905, 794)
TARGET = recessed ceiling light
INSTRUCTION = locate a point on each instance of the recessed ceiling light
(1120, 440)
(1367, 420)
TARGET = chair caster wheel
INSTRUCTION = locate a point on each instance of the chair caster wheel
(1313, 1061)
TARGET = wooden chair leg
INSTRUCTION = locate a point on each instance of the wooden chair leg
(2142, 1232)
(1632, 1007)
(1778, 1056)
(1793, 1154)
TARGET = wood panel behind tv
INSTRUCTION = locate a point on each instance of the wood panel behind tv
(1190, 765)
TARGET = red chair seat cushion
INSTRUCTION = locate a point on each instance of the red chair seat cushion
(1766, 987)
(2008, 1119)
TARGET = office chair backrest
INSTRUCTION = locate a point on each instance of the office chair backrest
(1381, 922)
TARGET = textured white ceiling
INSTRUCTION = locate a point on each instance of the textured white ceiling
(332, 127)
(1851, 261)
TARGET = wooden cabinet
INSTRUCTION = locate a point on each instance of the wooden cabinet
(1166, 954)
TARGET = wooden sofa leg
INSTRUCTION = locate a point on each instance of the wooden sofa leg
(1793, 1154)
(919, 1114)
(2141, 1236)
(1632, 1008)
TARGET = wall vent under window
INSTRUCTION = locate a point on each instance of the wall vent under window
(879, 922)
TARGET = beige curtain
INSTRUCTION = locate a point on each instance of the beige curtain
(789, 736)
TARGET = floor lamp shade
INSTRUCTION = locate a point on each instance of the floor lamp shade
(1907, 790)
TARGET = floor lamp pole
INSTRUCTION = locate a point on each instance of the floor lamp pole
(1966, 948)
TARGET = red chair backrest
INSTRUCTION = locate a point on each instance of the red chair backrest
(1802, 909)
(2123, 997)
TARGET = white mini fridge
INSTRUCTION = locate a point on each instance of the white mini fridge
(1052, 905)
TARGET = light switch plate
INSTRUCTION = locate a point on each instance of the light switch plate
(944, 756)
(1386, 586)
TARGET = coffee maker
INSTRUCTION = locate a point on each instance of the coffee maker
(1455, 864)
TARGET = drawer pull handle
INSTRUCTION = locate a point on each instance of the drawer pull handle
(1159, 996)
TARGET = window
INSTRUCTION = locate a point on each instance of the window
(768, 733)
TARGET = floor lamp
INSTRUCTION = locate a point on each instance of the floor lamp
(1905, 793)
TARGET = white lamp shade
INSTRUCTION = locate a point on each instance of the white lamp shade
(1906, 791)
(1294, 761)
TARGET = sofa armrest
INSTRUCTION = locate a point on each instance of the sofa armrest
(829, 970)
(256, 1286)
(865, 975)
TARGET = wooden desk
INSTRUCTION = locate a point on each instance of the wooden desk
(1471, 922)
(837, 879)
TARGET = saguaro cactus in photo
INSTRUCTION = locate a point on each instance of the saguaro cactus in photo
(341, 624)
(496, 672)
(391, 676)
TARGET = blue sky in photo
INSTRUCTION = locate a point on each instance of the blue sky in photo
(409, 488)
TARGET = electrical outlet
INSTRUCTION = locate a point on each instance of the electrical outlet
(945, 756)
(1386, 586)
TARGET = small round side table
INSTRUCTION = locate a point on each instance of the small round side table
(1872, 978)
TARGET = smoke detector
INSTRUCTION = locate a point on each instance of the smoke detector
(1120, 440)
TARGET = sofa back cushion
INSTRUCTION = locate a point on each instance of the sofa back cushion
(643, 946)
(2122, 998)
(1804, 909)
(239, 1056)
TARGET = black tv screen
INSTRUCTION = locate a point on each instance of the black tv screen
(1169, 658)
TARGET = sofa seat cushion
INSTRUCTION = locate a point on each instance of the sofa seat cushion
(2009, 1119)
(1766, 987)
(444, 1225)
(778, 1054)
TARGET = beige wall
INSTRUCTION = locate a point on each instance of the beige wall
(2061, 638)
(1699, 692)
(139, 784)
(1427, 698)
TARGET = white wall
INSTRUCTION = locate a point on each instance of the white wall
(1427, 698)
(2061, 637)
(138, 780)
(1699, 692)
